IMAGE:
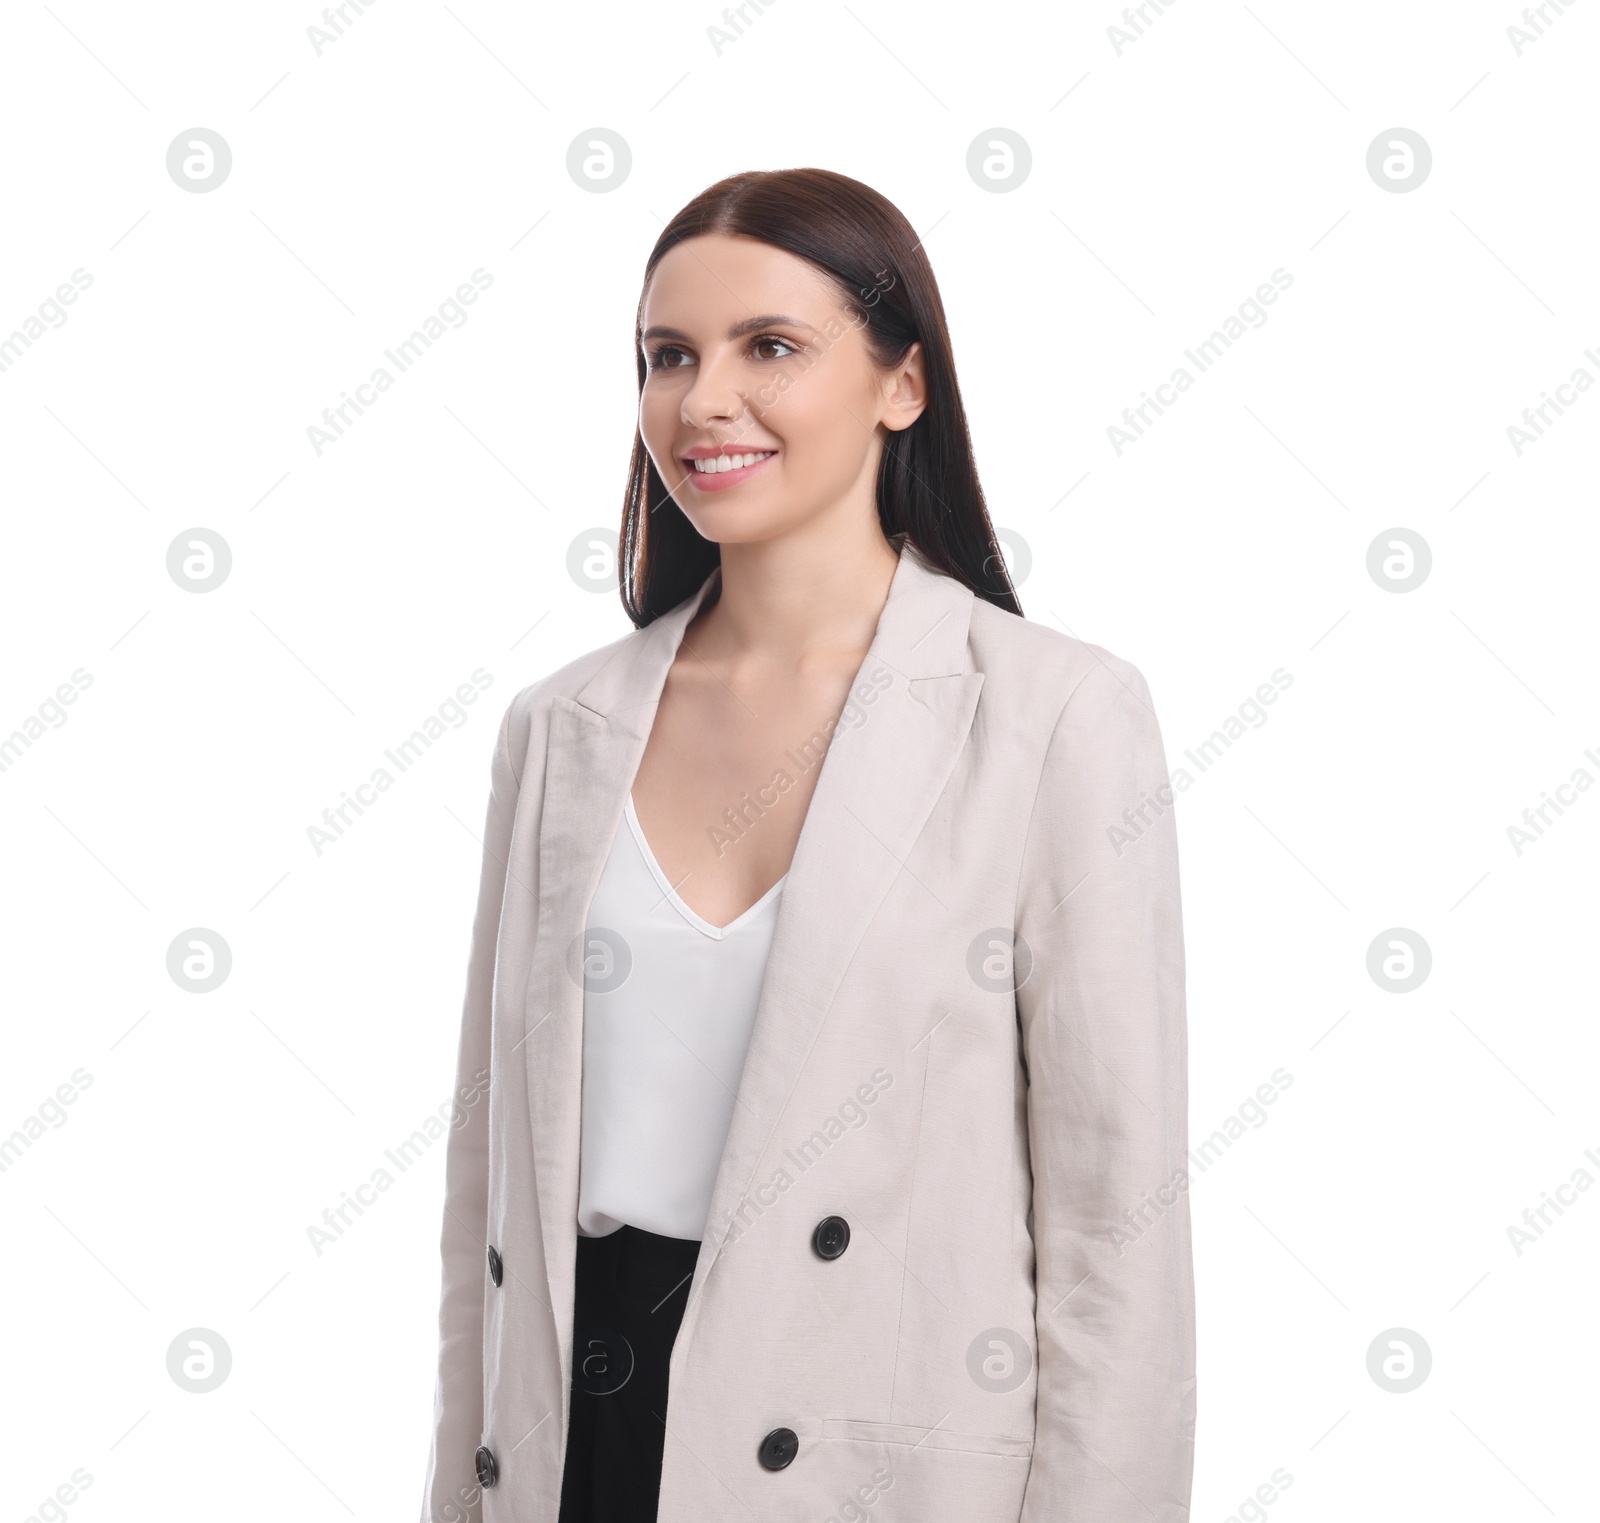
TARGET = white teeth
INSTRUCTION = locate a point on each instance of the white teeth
(716, 463)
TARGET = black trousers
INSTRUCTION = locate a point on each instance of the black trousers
(631, 1290)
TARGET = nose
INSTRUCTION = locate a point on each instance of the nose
(715, 396)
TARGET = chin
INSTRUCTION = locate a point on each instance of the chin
(732, 525)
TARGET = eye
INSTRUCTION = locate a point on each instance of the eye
(671, 357)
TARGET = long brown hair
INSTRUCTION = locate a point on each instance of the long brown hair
(927, 483)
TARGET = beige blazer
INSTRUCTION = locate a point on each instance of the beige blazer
(1010, 1333)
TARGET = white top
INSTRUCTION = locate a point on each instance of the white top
(662, 1051)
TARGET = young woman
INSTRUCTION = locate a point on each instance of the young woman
(821, 1127)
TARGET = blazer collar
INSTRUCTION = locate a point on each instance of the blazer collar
(922, 632)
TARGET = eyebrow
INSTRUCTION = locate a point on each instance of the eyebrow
(738, 330)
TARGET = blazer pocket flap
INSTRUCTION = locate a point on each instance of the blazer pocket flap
(926, 1438)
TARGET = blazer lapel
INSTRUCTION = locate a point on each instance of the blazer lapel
(879, 783)
(596, 741)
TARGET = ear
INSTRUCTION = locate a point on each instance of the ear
(905, 391)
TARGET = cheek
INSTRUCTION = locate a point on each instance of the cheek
(819, 422)
(653, 409)
(658, 422)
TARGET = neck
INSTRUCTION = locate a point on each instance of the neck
(807, 594)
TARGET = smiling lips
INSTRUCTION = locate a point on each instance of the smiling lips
(717, 470)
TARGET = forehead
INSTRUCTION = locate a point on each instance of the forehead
(717, 279)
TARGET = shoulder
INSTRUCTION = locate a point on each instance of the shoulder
(1084, 719)
(527, 717)
(1053, 671)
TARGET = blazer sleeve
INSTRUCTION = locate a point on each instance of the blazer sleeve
(452, 1493)
(1103, 1026)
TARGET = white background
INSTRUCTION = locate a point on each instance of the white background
(1168, 181)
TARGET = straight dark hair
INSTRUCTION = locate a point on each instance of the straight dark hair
(927, 485)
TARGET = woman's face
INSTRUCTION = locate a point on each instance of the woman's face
(751, 352)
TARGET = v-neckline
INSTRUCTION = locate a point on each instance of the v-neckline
(699, 922)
